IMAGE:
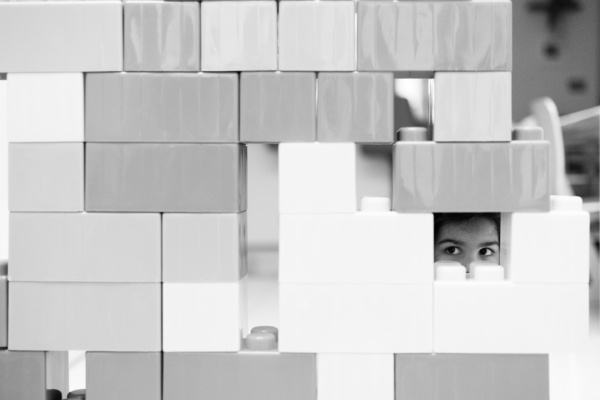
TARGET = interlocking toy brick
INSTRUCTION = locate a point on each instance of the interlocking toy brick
(70, 36)
(356, 107)
(81, 247)
(316, 36)
(45, 107)
(239, 35)
(162, 107)
(450, 271)
(278, 107)
(99, 316)
(3, 304)
(165, 177)
(162, 36)
(45, 177)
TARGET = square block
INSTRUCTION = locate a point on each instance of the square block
(317, 178)
(316, 36)
(481, 317)
(84, 316)
(203, 316)
(3, 304)
(45, 177)
(61, 36)
(365, 247)
(356, 318)
(239, 36)
(162, 36)
(162, 107)
(278, 107)
(81, 247)
(165, 177)
(23, 375)
(45, 107)
(472, 107)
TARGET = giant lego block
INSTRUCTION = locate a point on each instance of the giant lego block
(239, 36)
(317, 178)
(503, 317)
(45, 107)
(355, 318)
(161, 107)
(84, 316)
(356, 107)
(316, 36)
(45, 177)
(162, 36)
(132, 376)
(472, 107)
(61, 36)
(471, 177)
(278, 107)
(3, 304)
(165, 177)
(81, 247)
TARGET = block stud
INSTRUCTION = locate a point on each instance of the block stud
(268, 329)
(528, 133)
(565, 203)
(412, 134)
(486, 271)
(450, 271)
(375, 204)
(261, 341)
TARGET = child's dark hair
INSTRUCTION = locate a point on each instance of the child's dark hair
(442, 219)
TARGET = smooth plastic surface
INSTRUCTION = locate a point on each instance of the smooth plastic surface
(528, 133)
(375, 204)
(57, 370)
(260, 341)
(486, 272)
(450, 271)
(412, 134)
(3, 304)
(22, 375)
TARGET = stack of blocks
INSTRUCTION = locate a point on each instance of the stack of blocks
(127, 125)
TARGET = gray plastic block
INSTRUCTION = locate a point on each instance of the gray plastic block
(471, 377)
(84, 316)
(162, 36)
(3, 304)
(131, 376)
(82, 247)
(239, 376)
(204, 247)
(22, 375)
(165, 177)
(471, 177)
(45, 176)
(356, 107)
(278, 107)
(161, 107)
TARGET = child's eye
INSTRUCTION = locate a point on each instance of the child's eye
(453, 251)
(486, 251)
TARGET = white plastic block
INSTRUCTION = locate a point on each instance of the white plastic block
(45, 107)
(450, 271)
(363, 247)
(317, 178)
(355, 376)
(375, 204)
(503, 317)
(472, 107)
(548, 247)
(203, 316)
(486, 271)
(316, 36)
(238, 35)
(355, 318)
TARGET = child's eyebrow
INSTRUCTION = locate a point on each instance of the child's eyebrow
(492, 243)
(451, 241)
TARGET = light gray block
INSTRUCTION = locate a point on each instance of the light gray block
(204, 247)
(82, 247)
(3, 304)
(356, 107)
(84, 316)
(45, 176)
(278, 107)
(162, 36)
(131, 376)
(161, 107)
(165, 177)
(471, 377)
(22, 375)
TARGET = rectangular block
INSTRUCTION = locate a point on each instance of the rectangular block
(3, 304)
(472, 107)
(481, 317)
(81, 247)
(165, 177)
(22, 375)
(45, 177)
(61, 36)
(84, 316)
(162, 36)
(162, 107)
(355, 318)
(45, 107)
(317, 178)
(239, 36)
(471, 177)
(278, 107)
(133, 376)
(365, 247)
